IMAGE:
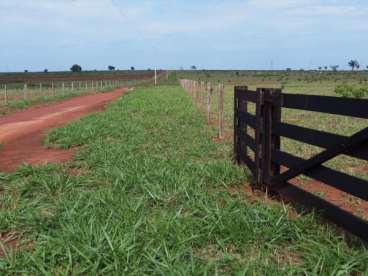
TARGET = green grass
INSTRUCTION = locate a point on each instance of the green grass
(152, 199)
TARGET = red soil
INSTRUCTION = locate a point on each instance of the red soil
(339, 198)
(22, 133)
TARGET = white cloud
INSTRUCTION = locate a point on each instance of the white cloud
(191, 26)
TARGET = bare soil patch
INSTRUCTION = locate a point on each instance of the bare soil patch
(22, 133)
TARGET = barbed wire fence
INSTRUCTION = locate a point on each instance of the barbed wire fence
(209, 99)
(28, 91)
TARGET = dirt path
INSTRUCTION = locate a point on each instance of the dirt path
(22, 133)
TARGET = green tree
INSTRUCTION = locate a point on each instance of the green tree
(111, 68)
(353, 64)
(76, 68)
(334, 67)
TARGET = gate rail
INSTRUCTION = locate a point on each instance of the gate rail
(268, 156)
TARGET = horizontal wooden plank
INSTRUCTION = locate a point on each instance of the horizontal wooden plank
(326, 104)
(317, 138)
(247, 95)
(342, 218)
(244, 159)
(249, 141)
(248, 118)
(347, 183)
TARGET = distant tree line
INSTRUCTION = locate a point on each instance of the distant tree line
(354, 64)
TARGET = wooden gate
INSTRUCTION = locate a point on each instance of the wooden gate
(263, 156)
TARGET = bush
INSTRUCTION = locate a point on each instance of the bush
(346, 90)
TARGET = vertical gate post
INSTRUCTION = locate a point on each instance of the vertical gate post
(271, 116)
(236, 125)
(240, 147)
(259, 136)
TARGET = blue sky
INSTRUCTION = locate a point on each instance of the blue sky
(248, 34)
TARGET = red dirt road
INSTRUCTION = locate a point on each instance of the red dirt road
(22, 133)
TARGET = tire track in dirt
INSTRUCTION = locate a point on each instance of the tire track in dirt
(22, 133)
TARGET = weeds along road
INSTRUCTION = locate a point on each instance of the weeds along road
(22, 133)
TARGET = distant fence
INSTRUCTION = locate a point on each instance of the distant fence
(209, 98)
(36, 77)
(267, 159)
(32, 90)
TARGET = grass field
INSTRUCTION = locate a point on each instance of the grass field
(149, 194)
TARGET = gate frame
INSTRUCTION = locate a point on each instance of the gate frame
(266, 166)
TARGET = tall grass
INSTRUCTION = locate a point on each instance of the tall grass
(151, 198)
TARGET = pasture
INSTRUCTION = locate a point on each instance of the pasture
(152, 192)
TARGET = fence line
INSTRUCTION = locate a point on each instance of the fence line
(13, 92)
(269, 157)
(205, 95)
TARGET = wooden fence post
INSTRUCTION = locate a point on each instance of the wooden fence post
(155, 76)
(204, 97)
(72, 86)
(5, 95)
(221, 111)
(236, 126)
(53, 88)
(25, 91)
(271, 116)
(259, 136)
(209, 96)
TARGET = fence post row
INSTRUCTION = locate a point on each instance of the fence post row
(202, 95)
(50, 88)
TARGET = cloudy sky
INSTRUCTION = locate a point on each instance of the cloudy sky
(249, 34)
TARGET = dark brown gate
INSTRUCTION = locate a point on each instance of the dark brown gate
(263, 156)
